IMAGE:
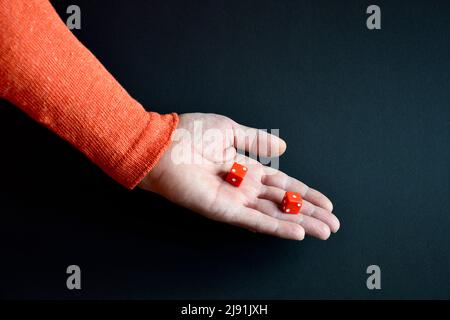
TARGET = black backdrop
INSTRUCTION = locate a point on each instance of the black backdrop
(365, 114)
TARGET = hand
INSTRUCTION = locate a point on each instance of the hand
(191, 173)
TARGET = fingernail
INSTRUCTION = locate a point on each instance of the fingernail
(331, 207)
(338, 226)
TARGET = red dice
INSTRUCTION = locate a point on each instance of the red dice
(236, 174)
(292, 202)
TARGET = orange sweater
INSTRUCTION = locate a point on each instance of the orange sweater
(50, 75)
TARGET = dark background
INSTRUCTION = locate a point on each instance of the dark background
(365, 114)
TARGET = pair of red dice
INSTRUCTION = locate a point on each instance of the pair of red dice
(291, 203)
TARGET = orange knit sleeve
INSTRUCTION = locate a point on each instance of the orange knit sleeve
(50, 75)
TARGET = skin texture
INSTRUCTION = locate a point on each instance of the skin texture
(195, 179)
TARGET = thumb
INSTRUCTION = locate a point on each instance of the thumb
(258, 142)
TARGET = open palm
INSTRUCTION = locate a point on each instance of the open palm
(191, 173)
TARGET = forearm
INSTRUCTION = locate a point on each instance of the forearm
(49, 74)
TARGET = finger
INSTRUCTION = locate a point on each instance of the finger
(279, 179)
(256, 221)
(276, 195)
(257, 142)
(313, 227)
